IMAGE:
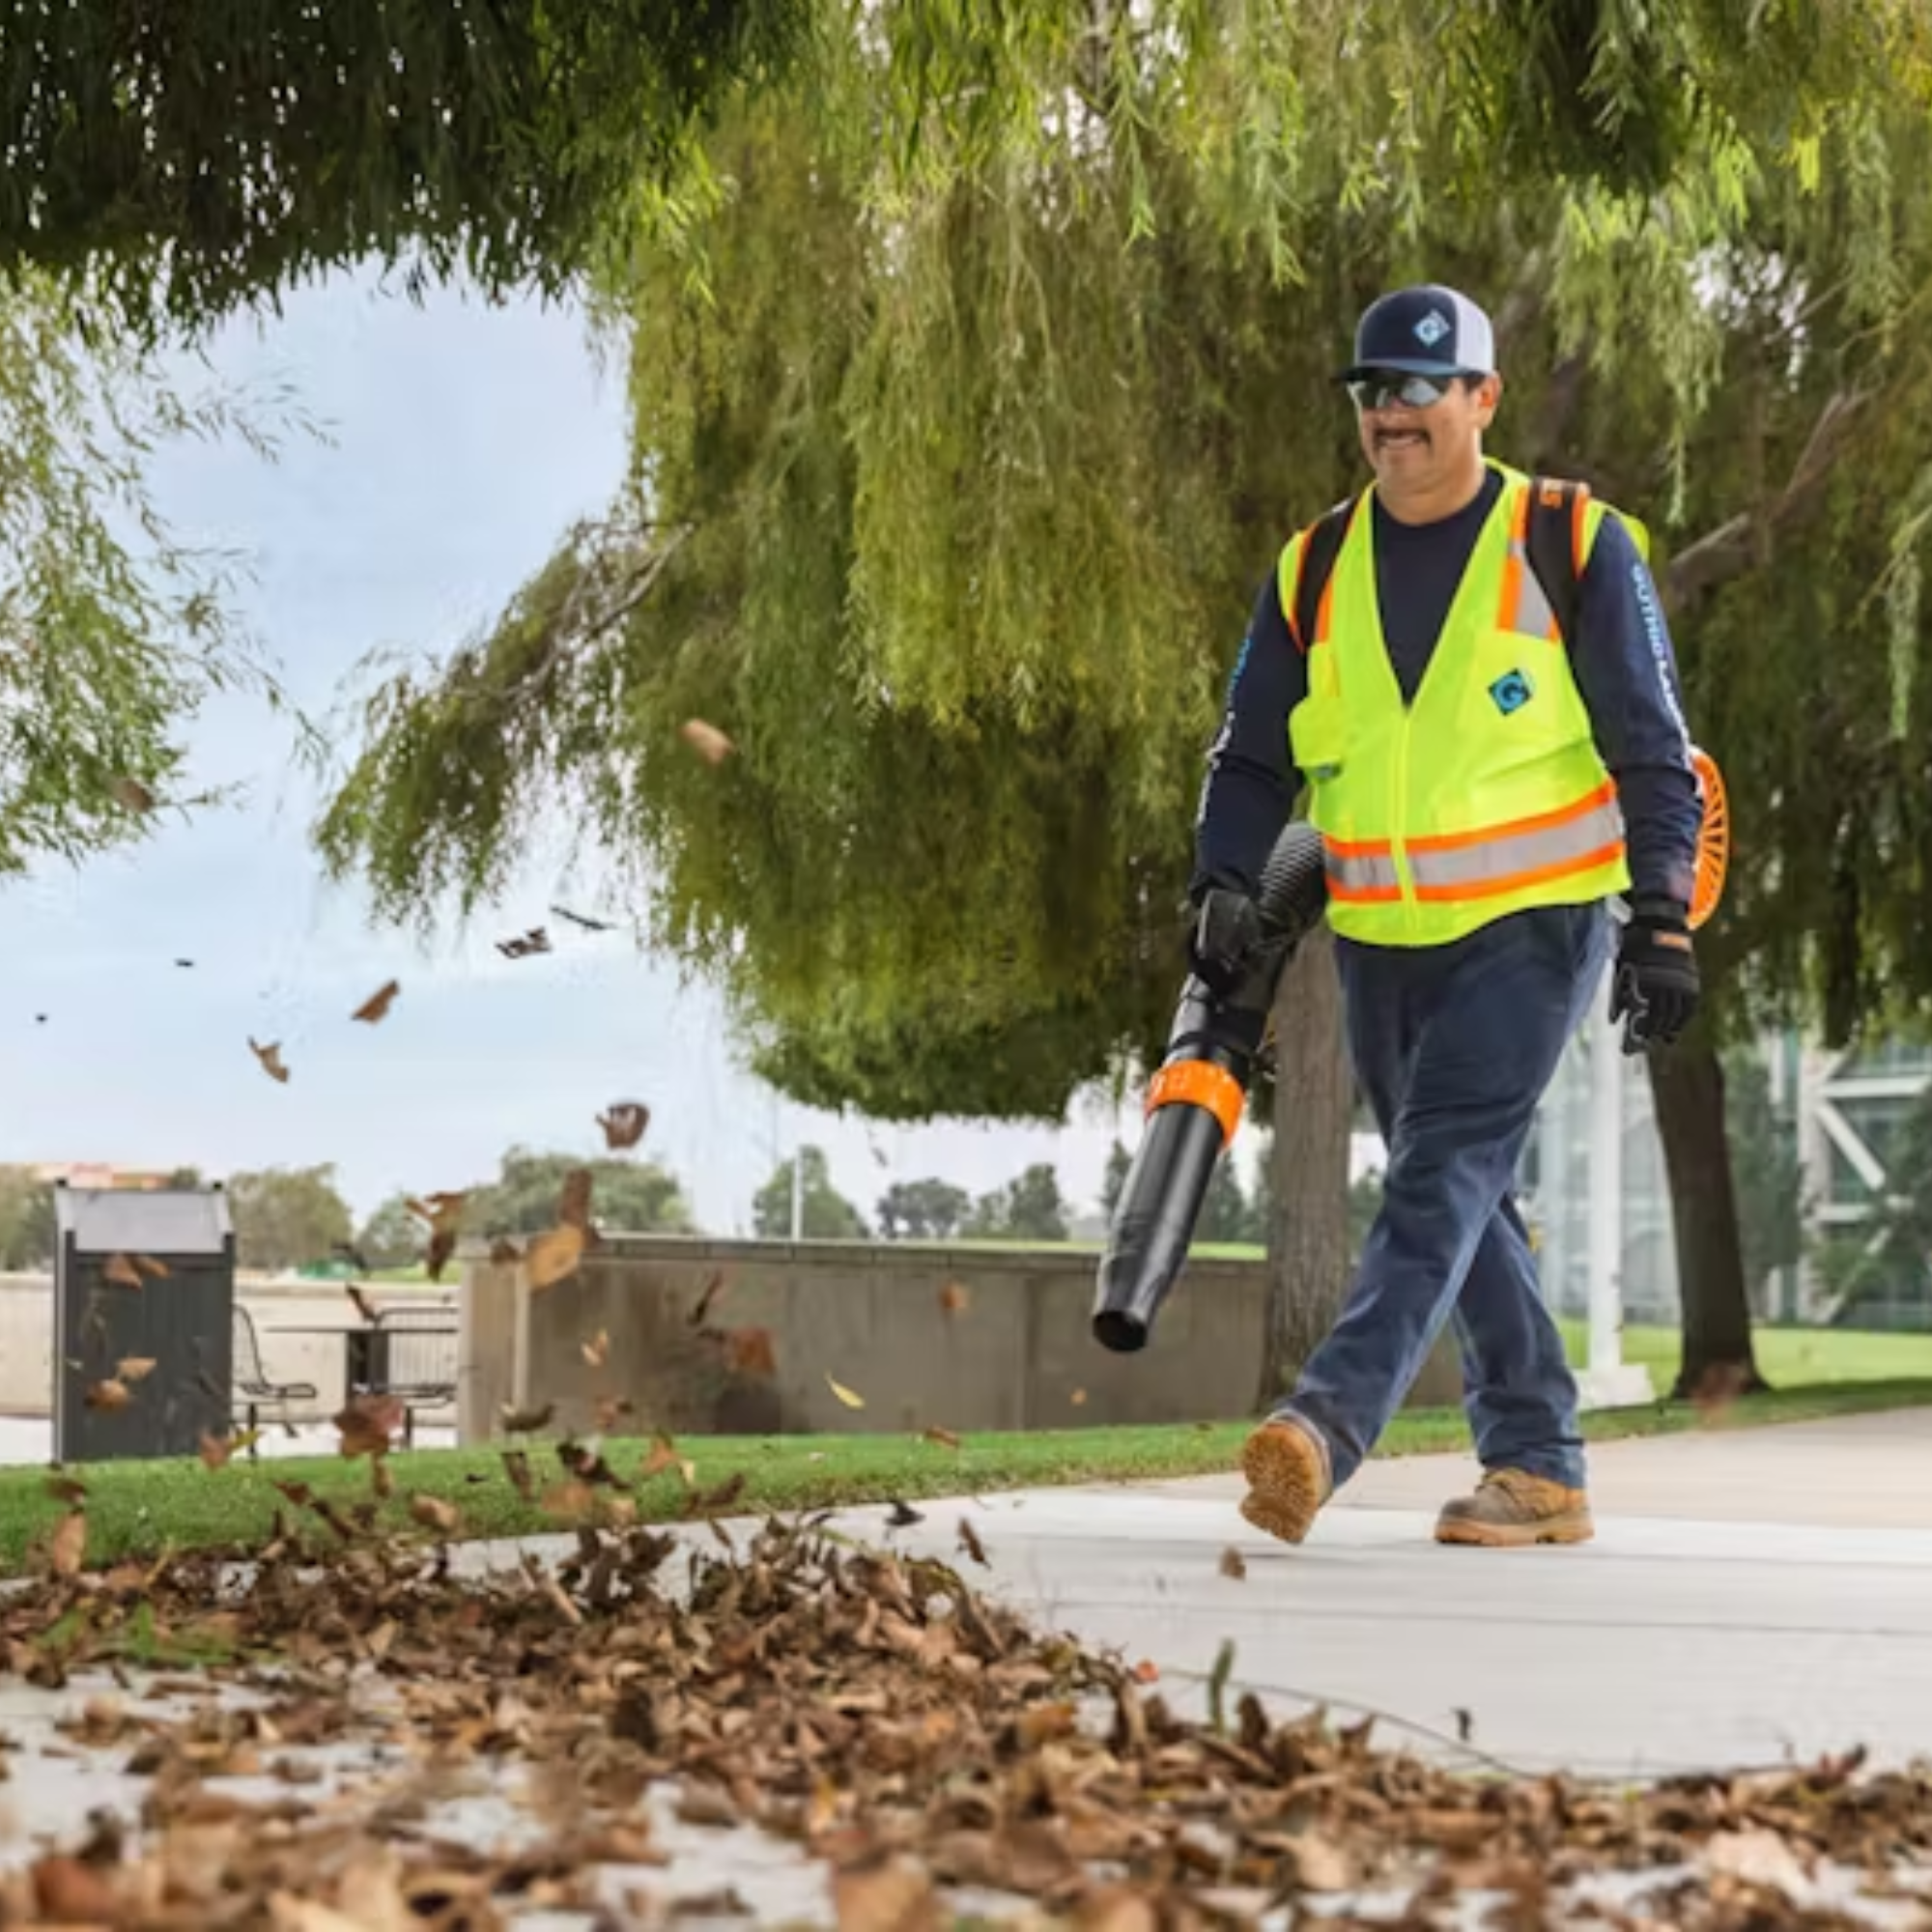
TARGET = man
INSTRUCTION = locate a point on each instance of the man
(1485, 788)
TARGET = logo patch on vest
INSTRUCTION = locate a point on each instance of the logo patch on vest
(1512, 690)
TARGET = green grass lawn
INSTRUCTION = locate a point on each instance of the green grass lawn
(137, 1509)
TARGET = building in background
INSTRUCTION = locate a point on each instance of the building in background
(1845, 1112)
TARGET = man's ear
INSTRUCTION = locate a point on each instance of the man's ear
(1488, 397)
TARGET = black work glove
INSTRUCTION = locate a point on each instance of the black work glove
(1227, 929)
(1655, 986)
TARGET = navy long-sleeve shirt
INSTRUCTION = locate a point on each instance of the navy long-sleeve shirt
(1621, 658)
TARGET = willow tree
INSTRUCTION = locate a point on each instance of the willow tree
(177, 160)
(113, 631)
(975, 381)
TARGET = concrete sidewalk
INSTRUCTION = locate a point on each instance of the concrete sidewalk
(1751, 1596)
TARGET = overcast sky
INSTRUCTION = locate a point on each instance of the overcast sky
(465, 438)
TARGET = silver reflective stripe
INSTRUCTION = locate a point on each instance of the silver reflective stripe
(1533, 612)
(1361, 874)
(1513, 854)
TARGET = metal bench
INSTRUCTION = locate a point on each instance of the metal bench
(251, 1378)
(411, 1353)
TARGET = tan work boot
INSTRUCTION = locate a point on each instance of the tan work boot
(1511, 1509)
(1287, 1467)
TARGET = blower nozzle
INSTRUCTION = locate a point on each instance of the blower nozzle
(1195, 1101)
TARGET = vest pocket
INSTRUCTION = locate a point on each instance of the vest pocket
(1318, 735)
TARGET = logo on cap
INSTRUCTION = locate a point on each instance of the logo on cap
(1431, 329)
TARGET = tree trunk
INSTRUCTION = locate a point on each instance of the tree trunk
(1688, 1081)
(1314, 1103)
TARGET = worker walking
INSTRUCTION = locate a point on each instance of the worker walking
(1489, 729)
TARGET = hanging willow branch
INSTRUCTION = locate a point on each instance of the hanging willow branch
(182, 158)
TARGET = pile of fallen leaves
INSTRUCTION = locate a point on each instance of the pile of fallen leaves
(870, 1706)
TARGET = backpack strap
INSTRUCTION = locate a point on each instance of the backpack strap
(1318, 550)
(1558, 529)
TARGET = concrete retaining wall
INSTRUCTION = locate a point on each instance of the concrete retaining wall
(26, 1338)
(1019, 1355)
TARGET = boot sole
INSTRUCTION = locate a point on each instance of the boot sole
(1285, 1482)
(1572, 1528)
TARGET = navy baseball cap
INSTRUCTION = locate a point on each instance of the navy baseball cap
(1426, 331)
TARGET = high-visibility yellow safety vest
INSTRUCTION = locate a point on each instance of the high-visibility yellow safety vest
(1486, 795)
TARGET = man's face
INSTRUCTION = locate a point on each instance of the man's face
(1420, 431)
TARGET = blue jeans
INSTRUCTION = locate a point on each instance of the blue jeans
(1453, 1046)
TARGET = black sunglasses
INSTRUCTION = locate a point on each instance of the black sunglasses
(1380, 388)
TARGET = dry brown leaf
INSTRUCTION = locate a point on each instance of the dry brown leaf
(624, 1124)
(596, 1349)
(218, 1451)
(288, 1913)
(66, 1489)
(713, 1288)
(945, 1438)
(1232, 1563)
(750, 1351)
(121, 1270)
(149, 1265)
(572, 1202)
(443, 1211)
(108, 1395)
(552, 1257)
(435, 1513)
(893, 1896)
(504, 1252)
(376, 1006)
(969, 1542)
(135, 1368)
(132, 793)
(1319, 1864)
(1078, 1397)
(270, 1057)
(524, 945)
(381, 1479)
(367, 1424)
(954, 1298)
(525, 1421)
(1117, 1908)
(706, 740)
(66, 1547)
(69, 1892)
(714, 1501)
(517, 1466)
(663, 1455)
(849, 1397)
(609, 1408)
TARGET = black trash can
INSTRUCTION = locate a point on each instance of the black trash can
(142, 1276)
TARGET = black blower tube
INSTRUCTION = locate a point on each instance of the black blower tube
(1194, 1100)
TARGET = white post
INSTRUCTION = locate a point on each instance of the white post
(1608, 1381)
(797, 1194)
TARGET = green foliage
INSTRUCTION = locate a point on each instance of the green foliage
(27, 1237)
(1028, 1208)
(974, 384)
(112, 631)
(824, 1213)
(392, 1237)
(207, 154)
(287, 1216)
(922, 1210)
(628, 1197)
